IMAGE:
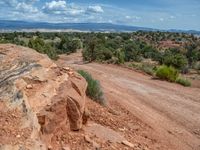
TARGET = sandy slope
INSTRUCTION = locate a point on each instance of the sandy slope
(171, 110)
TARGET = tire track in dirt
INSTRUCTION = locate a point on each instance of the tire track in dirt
(171, 110)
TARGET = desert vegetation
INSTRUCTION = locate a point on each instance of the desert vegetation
(183, 81)
(140, 50)
(172, 75)
(94, 90)
(51, 44)
(167, 73)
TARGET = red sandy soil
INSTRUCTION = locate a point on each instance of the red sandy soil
(122, 122)
(168, 114)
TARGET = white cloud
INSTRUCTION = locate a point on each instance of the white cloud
(75, 12)
(61, 8)
(95, 9)
(13, 3)
(110, 21)
(131, 19)
(9, 3)
(162, 19)
(172, 17)
(23, 7)
(52, 11)
(55, 6)
(136, 17)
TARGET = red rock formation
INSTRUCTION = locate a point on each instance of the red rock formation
(36, 98)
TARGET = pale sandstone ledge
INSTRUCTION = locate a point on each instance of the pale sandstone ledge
(36, 98)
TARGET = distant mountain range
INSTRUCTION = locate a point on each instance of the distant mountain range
(10, 25)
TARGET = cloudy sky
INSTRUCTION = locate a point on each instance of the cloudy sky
(162, 14)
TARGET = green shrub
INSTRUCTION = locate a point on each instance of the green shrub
(167, 73)
(68, 46)
(120, 56)
(178, 61)
(40, 46)
(133, 65)
(148, 69)
(184, 82)
(197, 66)
(94, 90)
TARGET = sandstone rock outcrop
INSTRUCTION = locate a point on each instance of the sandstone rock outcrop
(36, 98)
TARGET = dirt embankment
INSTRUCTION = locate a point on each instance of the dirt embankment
(170, 113)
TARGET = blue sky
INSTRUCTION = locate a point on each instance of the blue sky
(161, 14)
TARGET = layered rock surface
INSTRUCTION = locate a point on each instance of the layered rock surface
(36, 98)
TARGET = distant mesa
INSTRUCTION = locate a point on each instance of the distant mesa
(13, 25)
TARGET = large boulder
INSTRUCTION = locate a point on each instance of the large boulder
(36, 98)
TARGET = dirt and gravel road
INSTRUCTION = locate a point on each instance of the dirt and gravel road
(171, 110)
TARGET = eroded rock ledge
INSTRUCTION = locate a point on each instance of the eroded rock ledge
(36, 98)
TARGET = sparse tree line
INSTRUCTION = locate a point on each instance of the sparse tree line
(136, 48)
(178, 50)
(51, 44)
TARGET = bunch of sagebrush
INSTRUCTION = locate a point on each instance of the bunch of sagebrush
(94, 90)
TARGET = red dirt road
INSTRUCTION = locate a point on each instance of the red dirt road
(171, 110)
